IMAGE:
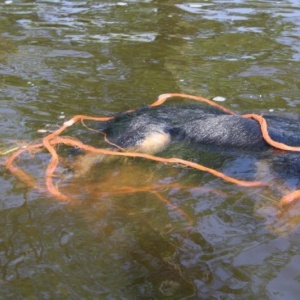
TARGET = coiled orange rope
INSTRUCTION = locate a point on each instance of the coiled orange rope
(54, 139)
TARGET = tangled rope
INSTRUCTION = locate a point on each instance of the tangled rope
(54, 139)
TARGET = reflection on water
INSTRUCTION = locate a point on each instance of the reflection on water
(190, 235)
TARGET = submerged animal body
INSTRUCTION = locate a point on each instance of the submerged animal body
(208, 129)
(152, 129)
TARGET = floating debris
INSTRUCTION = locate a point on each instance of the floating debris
(219, 98)
(5, 152)
(42, 130)
(195, 5)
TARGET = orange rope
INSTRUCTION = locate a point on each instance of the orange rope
(17, 172)
(73, 143)
(291, 197)
(53, 139)
(163, 98)
(53, 190)
(265, 134)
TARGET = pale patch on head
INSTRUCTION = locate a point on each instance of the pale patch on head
(154, 143)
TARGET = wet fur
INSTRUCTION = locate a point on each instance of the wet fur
(201, 127)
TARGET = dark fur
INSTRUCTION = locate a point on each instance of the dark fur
(201, 126)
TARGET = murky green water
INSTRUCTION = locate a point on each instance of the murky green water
(212, 240)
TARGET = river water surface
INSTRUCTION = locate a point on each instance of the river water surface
(185, 234)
